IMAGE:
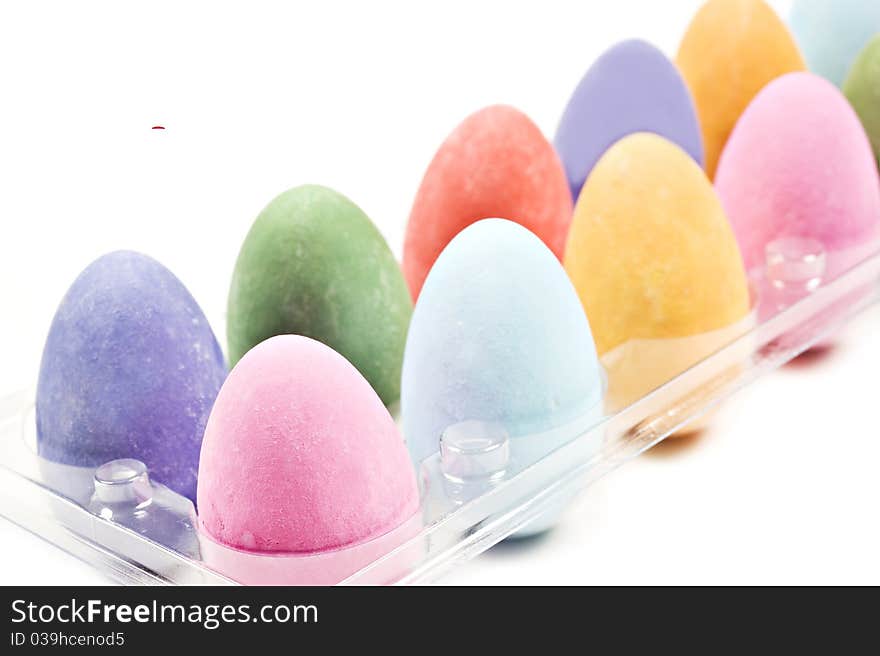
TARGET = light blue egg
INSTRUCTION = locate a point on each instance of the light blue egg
(499, 336)
(831, 33)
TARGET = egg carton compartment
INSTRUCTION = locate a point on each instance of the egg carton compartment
(475, 491)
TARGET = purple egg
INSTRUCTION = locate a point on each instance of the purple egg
(633, 87)
(130, 369)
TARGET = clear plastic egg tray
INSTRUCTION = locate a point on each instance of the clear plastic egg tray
(473, 493)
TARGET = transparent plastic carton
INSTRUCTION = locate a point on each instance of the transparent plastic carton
(474, 492)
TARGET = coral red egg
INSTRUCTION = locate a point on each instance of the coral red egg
(495, 164)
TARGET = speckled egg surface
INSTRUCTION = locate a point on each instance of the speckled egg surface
(314, 264)
(130, 369)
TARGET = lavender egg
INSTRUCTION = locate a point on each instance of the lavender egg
(130, 369)
(632, 87)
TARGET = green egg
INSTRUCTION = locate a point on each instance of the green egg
(314, 264)
(862, 88)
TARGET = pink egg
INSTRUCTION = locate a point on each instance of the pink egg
(300, 456)
(798, 169)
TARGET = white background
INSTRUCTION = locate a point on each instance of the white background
(257, 98)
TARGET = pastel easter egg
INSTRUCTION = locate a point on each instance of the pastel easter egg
(498, 337)
(799, 165)
(832, 32)
(632, 87)
(314, 264)
(495, 164)
(653, 257)
(730, 51)
(862, 89)
(130, 369)
(300, 455)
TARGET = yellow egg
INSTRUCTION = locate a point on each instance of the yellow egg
(656, 265)
(730, 51)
